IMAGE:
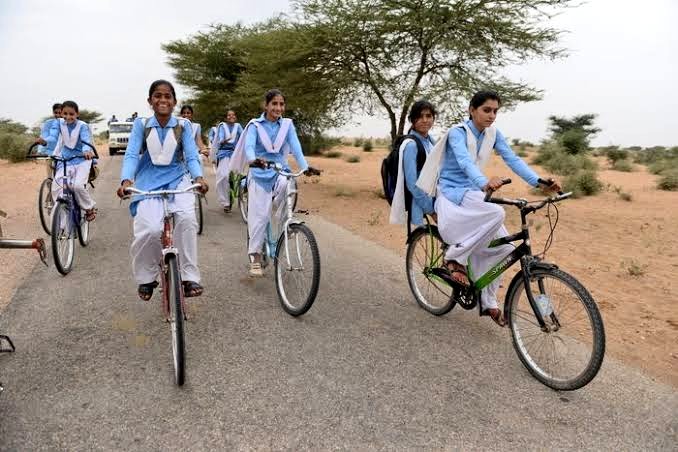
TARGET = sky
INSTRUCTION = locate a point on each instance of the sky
(622, 63)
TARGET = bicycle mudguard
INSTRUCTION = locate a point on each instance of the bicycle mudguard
(532, 265)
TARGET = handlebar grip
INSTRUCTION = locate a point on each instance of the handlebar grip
(488, 193)
(506, 181)
(30, 155)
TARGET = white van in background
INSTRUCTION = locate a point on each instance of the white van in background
(118, 136)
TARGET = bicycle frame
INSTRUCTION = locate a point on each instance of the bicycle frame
(285, 218)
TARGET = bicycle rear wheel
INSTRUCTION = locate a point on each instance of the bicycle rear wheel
(63, 238)
(297, 269)
(176, 318)
(45, 204)
(242, 202)
(424, 253)
(199, 212)
(568, 355)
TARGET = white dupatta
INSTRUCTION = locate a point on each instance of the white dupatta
(67, 138)
(161, 153)
(239, 162)
(430, 173)
(398, 209)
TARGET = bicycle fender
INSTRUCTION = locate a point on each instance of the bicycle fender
(425, 228)
(534, 265)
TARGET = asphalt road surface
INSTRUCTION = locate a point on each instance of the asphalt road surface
(364, 369)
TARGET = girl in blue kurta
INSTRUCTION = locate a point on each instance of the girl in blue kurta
(267, 138)
(66, 137)
(227, 135)
(162, 158)
(465, 221)
(422, 116)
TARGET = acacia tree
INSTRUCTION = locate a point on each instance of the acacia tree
(391, 52)
(574, 133)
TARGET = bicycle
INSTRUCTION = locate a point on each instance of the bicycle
(174, 308)
(241, 190)
(294, 251)
(5, 243)
(45, 201)
(68, 219)
(542, 301)
(199, 216)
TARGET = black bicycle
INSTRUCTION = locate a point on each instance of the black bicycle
(555, 324)
(68, 219)
(45, 202)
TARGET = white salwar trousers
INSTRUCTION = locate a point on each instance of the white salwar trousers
(468, 228)
(78, 175)
(259, 205)
(223, 187)
(146, 249)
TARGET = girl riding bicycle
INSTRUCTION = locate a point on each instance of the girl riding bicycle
(186, 112)
(162, 155)
(225, 139)
(465, 221)
(267, 138)
(66, 137)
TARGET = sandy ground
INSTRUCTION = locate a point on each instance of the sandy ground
(601, 240)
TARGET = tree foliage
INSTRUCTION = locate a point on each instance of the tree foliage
(574, 133)
(395, 51)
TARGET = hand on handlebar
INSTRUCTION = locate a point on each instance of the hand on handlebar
(550, 185)
(494, 184)
(41, 141)
(204, 188)
(312, 171)
(121, 189)
(89, 155)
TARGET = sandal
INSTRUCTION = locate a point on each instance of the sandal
(145, 291)
(496, 315)
(455, 268)
(90, 214)
(192, 289)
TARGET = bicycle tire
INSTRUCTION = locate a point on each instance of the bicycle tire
(176, 319)
(566, 331)
(63, 240)
(290, 306)
(428, 238)
(242, 203)
(45, 204)
(199, 213)
(83, 230)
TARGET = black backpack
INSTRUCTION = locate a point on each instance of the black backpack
(389, 169)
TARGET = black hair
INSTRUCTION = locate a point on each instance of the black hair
(70, 104)
(157, 83)
(271, 93)
(186, 107)
(418, 108)
(480, 97)
(57, 106)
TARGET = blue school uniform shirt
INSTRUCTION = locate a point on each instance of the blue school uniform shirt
(67, 152)
(226, 149)
(44, 134)
(210, 134)
(459, 173)
(266, 178)
(421, 202)
(146, 175)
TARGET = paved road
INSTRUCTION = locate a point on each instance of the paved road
(364, 369)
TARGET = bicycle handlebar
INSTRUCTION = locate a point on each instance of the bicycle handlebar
(489, 192)
(136, 191)
(277, 167)
(29, 154)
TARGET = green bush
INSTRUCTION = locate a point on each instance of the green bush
(583, 183)
(358, 142)
(669, 181)
(367, 146)
(315, 144)
(353, 159)
(662, 166)
(555, 159)
(13, 147)
(623, 165)
(332, 154)
(574, 141)
(614, 154)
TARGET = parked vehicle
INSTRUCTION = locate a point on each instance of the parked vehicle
(118, 136)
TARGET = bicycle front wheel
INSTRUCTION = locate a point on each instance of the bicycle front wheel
(567, 353)
(176, 319)
(297, 269)
(242, 202)
(83, 230)
(425, 252)
(45, 204)
(63, 238)
(199, 213)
